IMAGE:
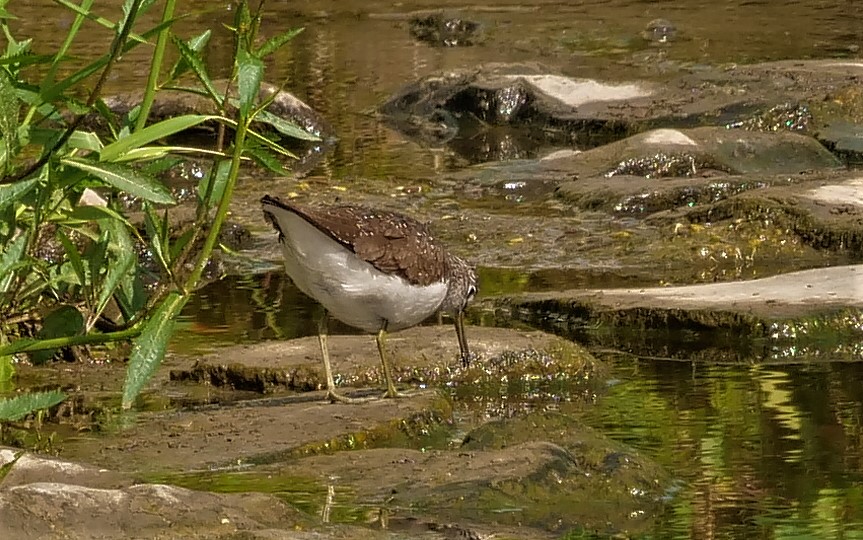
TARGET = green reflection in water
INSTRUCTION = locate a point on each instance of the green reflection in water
(328, 500)
(761, 452)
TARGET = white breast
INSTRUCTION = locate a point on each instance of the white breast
(352, 290)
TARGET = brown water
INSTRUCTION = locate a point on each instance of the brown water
(760, 452)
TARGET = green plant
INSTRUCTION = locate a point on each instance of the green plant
(51, 165)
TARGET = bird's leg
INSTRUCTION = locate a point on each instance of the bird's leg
(381, 340)
(332, 395)
(464, 353)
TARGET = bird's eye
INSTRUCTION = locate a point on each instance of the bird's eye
(471, 291)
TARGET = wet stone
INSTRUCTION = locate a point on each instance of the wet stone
(660, 31)
(533, 482)
(557, 110)
(444, 30)
(786, 116)
(845, 139)
(793, 316)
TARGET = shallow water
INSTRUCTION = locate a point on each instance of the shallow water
(759, 452)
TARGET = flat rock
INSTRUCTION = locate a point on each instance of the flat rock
(781, 297)
(27, 468)
(56, 510)
(253, 430)
(419, 355)
(797, 293)
(261, 430)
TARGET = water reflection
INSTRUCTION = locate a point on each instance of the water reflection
(253, 308)
(761, 452)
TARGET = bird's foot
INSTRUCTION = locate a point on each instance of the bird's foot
(393, 393)
(467, 359)
(334, 397)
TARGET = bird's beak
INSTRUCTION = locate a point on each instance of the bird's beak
(462, 340)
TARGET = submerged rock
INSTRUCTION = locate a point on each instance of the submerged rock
(660, 31)
(796, 316)
(444, 30)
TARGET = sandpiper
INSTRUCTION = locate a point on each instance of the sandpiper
(374, 270)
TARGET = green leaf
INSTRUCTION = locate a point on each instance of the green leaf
(249, 75)
(180, 243)
(124, 261)
(74, 257)
(219, 177)
(277, 42)
(10, 258)
(160, 165)
(196, 44)
(15, 48)
(266, 142)
(20, 406)
(64, 321)
(11, 193)
(9, 110)
(197, 64)
(26, 59)
(84, 140)
(151, 133)
(155, 234)
(267, 159)
(97, 213)
(131, 294)
(125, 179)
(7, 370)
(286, 127)
(149, 348)
(96, 257)
(71, 33)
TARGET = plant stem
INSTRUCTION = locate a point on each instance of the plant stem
(32, 345)
(224, 203)
(155, 68)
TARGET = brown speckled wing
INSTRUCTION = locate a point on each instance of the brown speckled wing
(391, 242)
